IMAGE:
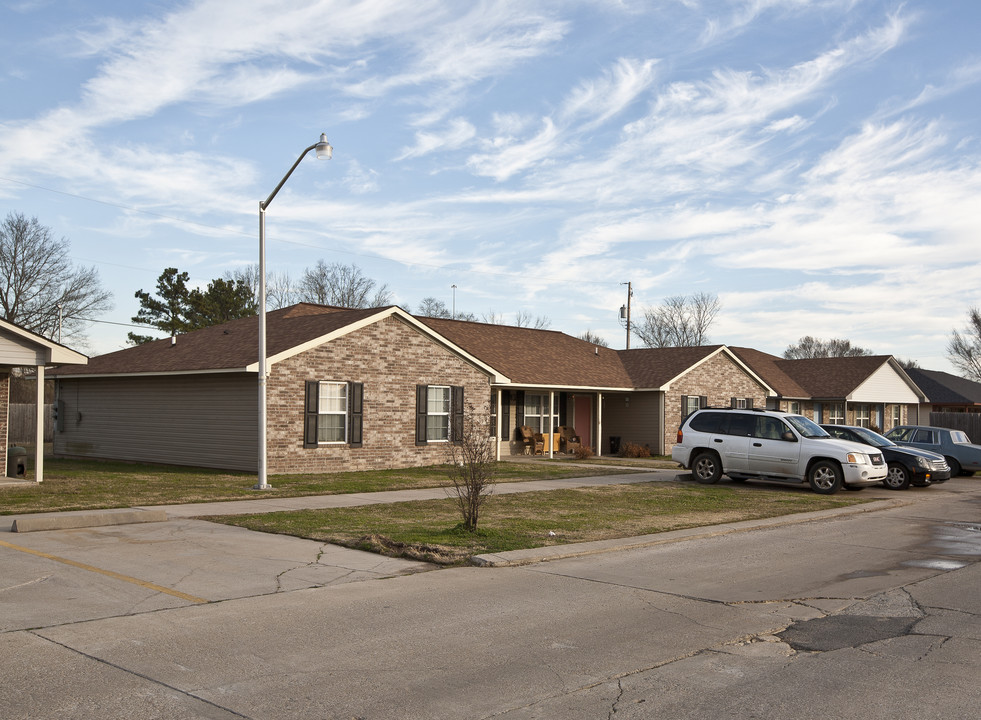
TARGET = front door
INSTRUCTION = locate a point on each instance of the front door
(582, 414)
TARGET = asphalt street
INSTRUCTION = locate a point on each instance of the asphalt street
(875, 614)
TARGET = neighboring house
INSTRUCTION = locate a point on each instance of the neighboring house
(869, 391)
(25, 349)
(347, 390)
(609, 396)
(944, 393)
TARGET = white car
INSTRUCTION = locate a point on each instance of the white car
(772, 445)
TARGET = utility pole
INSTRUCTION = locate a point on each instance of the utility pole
(625, 310)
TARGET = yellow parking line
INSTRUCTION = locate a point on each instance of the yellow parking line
(107, 573)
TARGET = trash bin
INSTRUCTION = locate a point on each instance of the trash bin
(614, 444)
(16, 461)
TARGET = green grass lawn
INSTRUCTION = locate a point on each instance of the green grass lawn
(430, 530)
(93, 484)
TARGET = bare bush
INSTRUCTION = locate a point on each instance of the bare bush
(472, 464)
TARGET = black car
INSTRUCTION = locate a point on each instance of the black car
(906, 465)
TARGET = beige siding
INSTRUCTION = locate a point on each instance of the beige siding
(633, 417)
(199, 420)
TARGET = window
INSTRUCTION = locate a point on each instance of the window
(897, 415)
(924, 436)
(863, 416)
(770, 428)
(536, 407)
(333, 413)
(439, 413)
(741, 403)
(793, 407)
(835, 413)
(691, 403)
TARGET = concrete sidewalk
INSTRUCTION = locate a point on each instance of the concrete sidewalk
(98, 518)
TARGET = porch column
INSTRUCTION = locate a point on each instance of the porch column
(497, 420)
(39, 429)
(551, 424)
(599, 424)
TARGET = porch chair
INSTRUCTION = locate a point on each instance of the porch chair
(568, 440)
(534, 442)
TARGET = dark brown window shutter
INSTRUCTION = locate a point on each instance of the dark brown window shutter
(732, 402)
(355, 413)
(519, 408)
(703, 401)
(506, 414)
(493, 413)
(456, 414)
(684, 406)
(421, 412)
(749, 403)
(310, 414)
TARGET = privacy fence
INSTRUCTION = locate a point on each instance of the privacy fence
(968, 422)
(23, 423)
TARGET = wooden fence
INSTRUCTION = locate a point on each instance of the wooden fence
(968, 422)
(22, 424)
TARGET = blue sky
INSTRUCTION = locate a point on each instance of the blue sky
(815, 164)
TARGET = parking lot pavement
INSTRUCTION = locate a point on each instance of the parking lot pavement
(67, 576)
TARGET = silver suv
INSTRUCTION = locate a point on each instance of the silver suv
(771, 445)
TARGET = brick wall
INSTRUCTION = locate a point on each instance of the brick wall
(390, 358)
(719, 379)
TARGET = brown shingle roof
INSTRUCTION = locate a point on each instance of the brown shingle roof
(230, 346)
(535, 357)
(769, 368)
(832, 377)
(654, 367)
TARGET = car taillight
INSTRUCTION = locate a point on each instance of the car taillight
(680, 435)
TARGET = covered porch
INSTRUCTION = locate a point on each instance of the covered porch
(20, 348)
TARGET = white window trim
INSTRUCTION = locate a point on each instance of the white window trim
(431, 414)
(330, 413)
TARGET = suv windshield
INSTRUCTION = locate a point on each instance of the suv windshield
(807, 428)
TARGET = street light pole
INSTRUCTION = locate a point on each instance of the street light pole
(325, 152)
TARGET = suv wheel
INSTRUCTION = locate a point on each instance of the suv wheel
(706, 468)
(898, 477)
(825, 477)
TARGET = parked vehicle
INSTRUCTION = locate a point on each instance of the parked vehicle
(961, 454)
(907, 465)
(771, 445)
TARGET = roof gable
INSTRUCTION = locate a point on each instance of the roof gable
(942, 387)
(29, 348)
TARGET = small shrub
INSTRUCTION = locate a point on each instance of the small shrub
(582, 452)
(633, 450)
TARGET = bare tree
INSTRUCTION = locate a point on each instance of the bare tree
(811, 347)
(681, 321)
(434, 308)
(471, 469)
(964, 351)
(539, 322)
(341, 286)
(591, 337)
(280, 288)
(40, 289)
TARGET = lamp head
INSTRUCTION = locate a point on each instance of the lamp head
(323, 148)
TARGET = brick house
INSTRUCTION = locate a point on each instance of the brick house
(347, 390)
(869, 391)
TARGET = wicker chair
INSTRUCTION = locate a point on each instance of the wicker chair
(568, 440)
(534, 442)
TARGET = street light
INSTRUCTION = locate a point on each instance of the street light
(324, 152)
(625, 309)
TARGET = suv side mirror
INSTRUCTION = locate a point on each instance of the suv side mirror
(789, 437)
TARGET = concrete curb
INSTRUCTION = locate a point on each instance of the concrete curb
(515, 558)
(99, 518)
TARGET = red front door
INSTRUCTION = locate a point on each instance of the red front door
(583, 418)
